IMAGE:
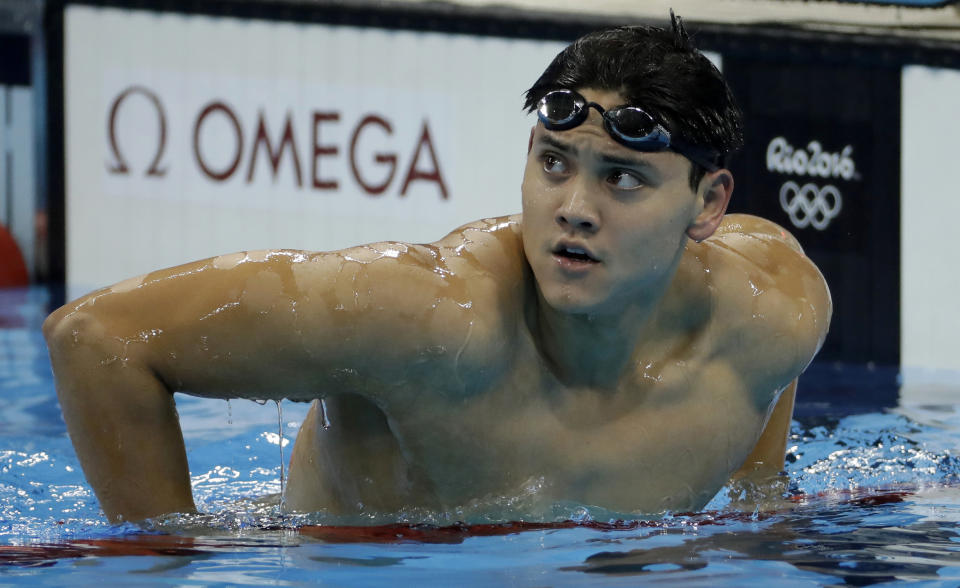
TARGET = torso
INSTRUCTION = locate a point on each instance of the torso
(490, 419)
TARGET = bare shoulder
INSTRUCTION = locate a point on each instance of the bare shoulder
(450, 304)
(774, 304)
(475, 264)
(747, 225)
(488, 255)
(491, 244)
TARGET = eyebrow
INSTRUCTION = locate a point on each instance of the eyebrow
(615, 160)
(604, 157)
(557, 144)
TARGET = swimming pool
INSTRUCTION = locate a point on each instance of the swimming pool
(871, 497)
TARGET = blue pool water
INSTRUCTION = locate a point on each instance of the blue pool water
(871, 497)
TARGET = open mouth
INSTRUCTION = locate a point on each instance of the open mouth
(577, 254)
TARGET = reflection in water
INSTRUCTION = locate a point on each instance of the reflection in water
(839, 529)
(853, 541)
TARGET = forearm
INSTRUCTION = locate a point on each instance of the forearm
(122, 422)
(767, 457)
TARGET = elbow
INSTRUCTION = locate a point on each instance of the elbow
(62, 331)
(64, 323)
(68, 327)
(52, 323)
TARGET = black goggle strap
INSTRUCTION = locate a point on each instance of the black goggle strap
(704, 157)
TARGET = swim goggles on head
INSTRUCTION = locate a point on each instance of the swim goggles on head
(560, 110)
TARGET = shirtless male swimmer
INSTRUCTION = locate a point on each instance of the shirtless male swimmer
(621, 341)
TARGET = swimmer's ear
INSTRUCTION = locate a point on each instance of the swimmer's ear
(713, 195)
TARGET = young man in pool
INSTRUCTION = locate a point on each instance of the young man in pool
(620, 344)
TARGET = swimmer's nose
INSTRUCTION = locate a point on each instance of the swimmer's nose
(576, 213)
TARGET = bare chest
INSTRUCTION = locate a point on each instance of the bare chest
(666, 437)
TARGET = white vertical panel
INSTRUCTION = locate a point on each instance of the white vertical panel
(21, 145)
(468, 89)
(930, 207)
(17, 179)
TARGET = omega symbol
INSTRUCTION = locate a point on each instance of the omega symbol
(120, 164)
(810, 204)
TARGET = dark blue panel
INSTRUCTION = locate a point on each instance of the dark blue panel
(822, 160)
(14, 60)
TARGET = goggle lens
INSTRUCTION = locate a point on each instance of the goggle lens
(560, 110)
(631, 123)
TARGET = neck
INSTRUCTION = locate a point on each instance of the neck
(596, 349)
(584, 349)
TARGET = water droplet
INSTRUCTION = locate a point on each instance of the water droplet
(280, 432)
(324, 420)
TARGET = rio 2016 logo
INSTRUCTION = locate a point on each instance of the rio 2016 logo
(810, 204)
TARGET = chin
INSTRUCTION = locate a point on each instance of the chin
(570, 302)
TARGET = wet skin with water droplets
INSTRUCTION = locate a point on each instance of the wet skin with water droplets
(435, 385)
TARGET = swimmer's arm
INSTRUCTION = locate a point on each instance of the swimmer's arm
(262, 325)
(122, 421)
(785, 303)
(807, 309)
(767, 457)
(221, 328)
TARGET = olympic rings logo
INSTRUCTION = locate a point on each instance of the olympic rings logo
(809, 204)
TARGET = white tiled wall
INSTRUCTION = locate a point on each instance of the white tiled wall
(17, 170)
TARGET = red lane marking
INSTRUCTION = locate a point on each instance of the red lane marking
(47, 554)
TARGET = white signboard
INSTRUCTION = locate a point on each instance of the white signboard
(929, 207)
(191, 136)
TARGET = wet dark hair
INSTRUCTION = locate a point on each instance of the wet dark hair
(659, 71)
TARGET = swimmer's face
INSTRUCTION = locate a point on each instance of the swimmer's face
(603, 223)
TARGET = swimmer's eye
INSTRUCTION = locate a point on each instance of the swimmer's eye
(554, 165)
(624, 180)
